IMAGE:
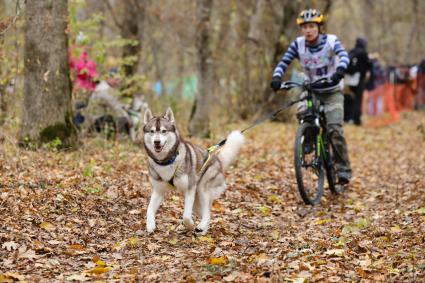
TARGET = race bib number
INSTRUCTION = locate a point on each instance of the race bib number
(322, 71)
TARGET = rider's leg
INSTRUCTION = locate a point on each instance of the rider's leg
(334, 111)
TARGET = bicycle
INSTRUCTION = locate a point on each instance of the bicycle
(313, 150)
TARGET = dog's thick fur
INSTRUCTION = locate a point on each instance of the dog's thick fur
(178, 164)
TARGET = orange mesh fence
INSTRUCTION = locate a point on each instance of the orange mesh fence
(385, 101)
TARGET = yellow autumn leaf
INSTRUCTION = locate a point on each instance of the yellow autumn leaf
(173, 241)
(100, 263)
(384, 239)
(132, 242)
(217, 206)
(265, 210)
(118, 246)
(275, 199)
(222, 260)
(323, 221)
(275, 234)
(99, 270)
(396, 229)
(95, 258)
(207, 239)
(47, 226)
(358, 206)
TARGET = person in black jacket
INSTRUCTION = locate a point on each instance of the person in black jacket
(359, 67)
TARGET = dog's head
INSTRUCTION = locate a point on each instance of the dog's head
(160, 135)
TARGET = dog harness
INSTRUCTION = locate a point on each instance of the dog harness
(170, 161)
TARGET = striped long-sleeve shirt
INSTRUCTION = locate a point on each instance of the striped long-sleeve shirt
(325, 41)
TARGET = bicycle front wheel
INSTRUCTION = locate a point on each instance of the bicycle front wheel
(309, 165)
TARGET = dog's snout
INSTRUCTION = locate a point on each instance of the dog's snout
(157, 142)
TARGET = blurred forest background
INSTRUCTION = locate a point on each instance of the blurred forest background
(156, 47)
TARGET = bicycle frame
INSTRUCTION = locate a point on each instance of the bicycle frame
(313, 125)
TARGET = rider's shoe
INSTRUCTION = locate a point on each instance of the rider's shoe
(343, 181)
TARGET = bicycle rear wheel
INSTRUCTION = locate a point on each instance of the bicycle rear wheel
(309, 165)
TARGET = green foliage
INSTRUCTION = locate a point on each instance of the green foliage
(93, 190)
(133, 84)
(28, 143)
(88, 170)
(54, 145)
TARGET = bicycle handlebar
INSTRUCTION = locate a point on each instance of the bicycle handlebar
(305, 85)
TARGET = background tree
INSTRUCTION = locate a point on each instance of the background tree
(47, 111)
(200, 118)
(131, 26)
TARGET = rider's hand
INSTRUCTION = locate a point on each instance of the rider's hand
(276, 83)
(338, 75)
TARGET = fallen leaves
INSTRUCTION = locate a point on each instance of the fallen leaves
(132, 242)
(335, 252)
(100, 268)
(11, 277)
(206, 239)
(80, 216)
(47, 226)
(10, 246)
(222, 260)
(25, 253)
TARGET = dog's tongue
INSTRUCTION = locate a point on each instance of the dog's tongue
(158, 148)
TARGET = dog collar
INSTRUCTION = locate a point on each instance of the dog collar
(167, 161)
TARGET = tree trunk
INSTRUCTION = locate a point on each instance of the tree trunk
(285, 18)
(131, 28)
(200, 120)
(253, 57)
(47, 111)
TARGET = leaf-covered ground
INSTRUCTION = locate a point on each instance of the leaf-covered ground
(80, 215)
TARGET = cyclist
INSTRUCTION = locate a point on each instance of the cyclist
(322, 56)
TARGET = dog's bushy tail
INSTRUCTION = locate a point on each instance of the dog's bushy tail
(230, 150)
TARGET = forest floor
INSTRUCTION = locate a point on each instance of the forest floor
(80, 215)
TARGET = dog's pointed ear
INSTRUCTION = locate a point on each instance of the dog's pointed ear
(169, 115)
(148, 116)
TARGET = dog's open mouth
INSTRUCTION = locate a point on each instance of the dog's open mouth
(158, 147)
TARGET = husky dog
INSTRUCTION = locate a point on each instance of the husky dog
(177, 164)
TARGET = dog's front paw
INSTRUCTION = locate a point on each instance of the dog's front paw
(200, 229)
(150, 226)
(188, 222)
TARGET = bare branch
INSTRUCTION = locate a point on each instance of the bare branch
(114, 18)
(13, 21)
